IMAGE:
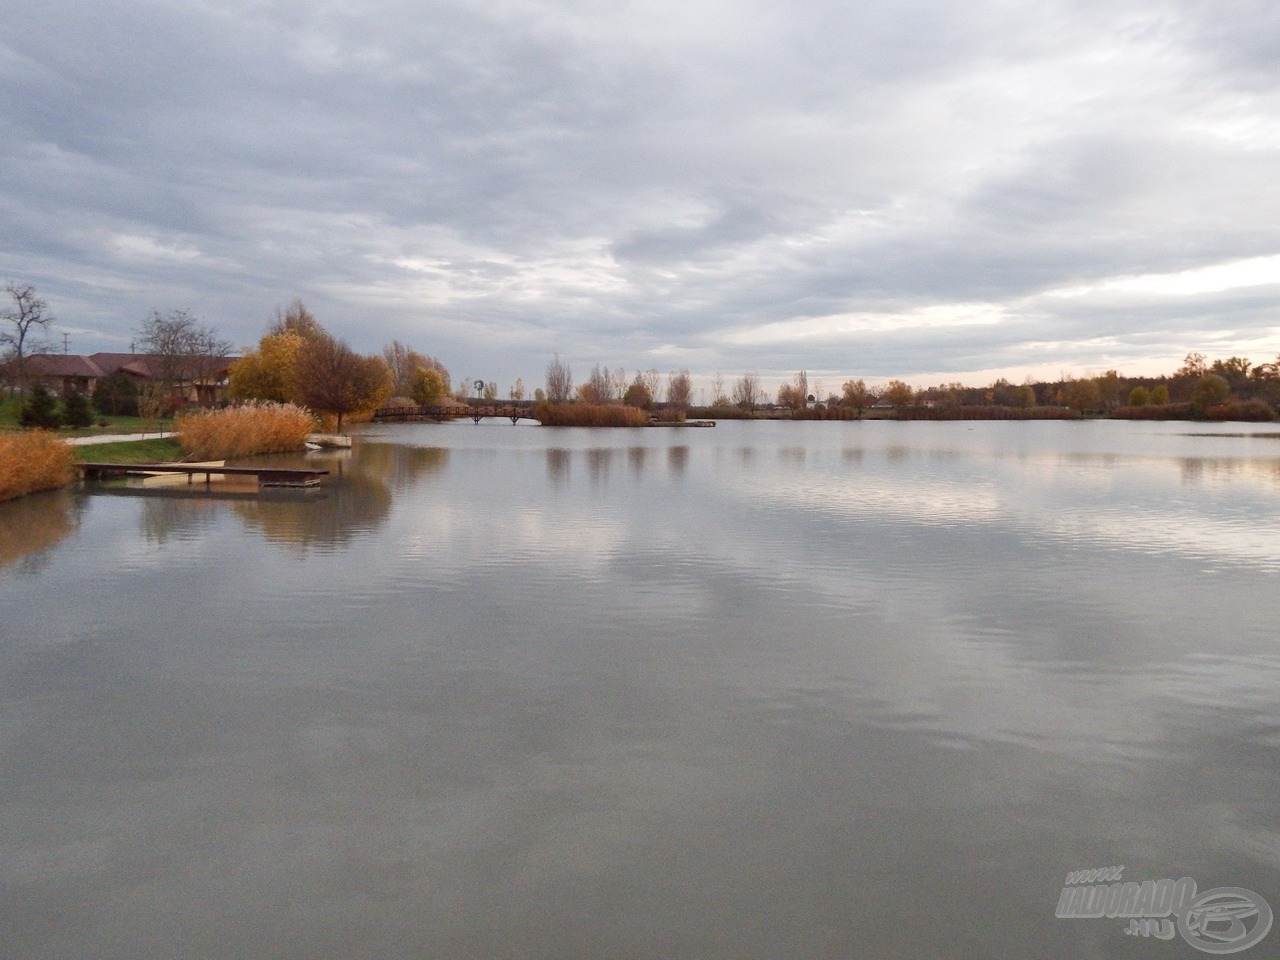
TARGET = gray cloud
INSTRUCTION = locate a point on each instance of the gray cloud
(728, 187)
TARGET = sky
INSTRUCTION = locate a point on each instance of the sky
(925, 189)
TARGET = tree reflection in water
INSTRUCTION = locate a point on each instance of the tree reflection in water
(354, 500)
(30, 526)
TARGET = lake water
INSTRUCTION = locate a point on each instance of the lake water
(768, 690)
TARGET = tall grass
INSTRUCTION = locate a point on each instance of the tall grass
(243, 431)
(33, 461)
(589, 415)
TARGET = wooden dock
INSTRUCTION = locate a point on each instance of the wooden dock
(266, 476)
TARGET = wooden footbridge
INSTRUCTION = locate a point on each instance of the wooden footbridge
(266, 476)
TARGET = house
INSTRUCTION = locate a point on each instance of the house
(63, 373)
(198, 381)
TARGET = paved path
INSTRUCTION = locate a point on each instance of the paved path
(115, 438)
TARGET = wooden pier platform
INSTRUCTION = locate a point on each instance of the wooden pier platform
(266, 476)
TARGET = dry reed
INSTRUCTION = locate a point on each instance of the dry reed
(33, 461)
(244, 430)
(589, 415)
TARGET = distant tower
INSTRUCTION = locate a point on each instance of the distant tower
(66, 341)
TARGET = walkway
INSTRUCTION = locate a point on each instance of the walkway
(115, 438)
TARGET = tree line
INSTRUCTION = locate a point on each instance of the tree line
(298, 361)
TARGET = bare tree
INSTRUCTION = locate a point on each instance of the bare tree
(180, 350)
(296, 318)
(559, 381)
(680, 390)
(747, 392)
(599, 386)
(28, 316)
(718, 398)
(653, 382)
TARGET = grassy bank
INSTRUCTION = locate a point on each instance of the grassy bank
(154, 450)
(10, 410)
(33, 461)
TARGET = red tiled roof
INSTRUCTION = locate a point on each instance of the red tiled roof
(62, 365)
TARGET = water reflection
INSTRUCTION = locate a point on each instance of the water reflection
(354, 503)
(736, 693)
(677, 461)
(558, 462)
(176, 513)
(30, 526)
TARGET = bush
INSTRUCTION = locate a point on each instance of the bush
(76, 411)
(589, 415)
(244, 431)
(1247, 411)
(116, 395)
(40, 410)
(33, 461)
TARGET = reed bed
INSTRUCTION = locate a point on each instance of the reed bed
(589, 415)
(244, 430)
(33, 461)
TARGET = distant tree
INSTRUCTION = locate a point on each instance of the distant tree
(116, 395)
(489, 392)
(747, 392)
(1139, 396)
(296, 318)
(517, 389)
(718, 396)
(653, 380)
(1193, 367)
(1160, 394)
(789, 396)
(638, 394)
(1024, 397)
(801, 383)
(899, 394)
(1111, 388)
(680, 390)
(618, 382)
(559, 381)
(1082, 395)
(77, 412)
(1209, 390)
(539, 395)
(333, 378)
(40, 409)
(1234, 370)
(180, 348)
(28, 316)
(1003, 393)
(598, 387)
(429, 387)
(404, 363)
(856, 396)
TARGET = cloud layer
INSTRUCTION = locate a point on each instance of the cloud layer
(921, 189)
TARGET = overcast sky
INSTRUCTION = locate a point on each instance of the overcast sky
(924, 189)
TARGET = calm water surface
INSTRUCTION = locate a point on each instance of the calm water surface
(772, 690)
